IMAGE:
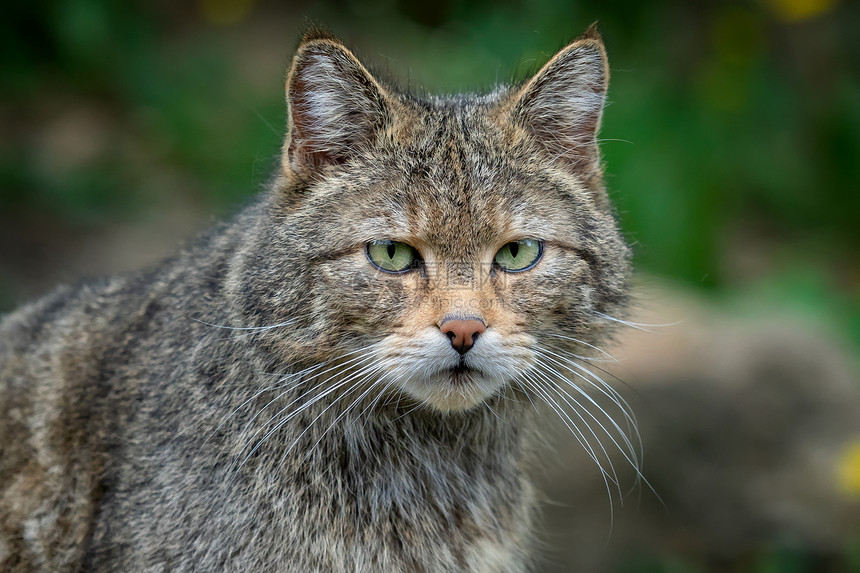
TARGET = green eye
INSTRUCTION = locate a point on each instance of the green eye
(519, 255)
(391, 256)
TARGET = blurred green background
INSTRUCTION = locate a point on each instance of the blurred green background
(733, 129)
(732, 135)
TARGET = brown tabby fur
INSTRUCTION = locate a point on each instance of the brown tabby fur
(267, 400)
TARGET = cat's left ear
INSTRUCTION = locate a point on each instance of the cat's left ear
(336, 106)
(562, 105)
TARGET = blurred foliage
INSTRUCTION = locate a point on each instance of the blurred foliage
(732, 138)
(733, 132)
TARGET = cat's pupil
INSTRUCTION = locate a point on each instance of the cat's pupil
(514, 248)
(391, 249)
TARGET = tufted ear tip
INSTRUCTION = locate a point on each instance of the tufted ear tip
(591, 33)
(317, 33)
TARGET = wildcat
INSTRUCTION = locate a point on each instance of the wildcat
(344, 376)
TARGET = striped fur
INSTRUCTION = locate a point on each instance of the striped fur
(267, 400)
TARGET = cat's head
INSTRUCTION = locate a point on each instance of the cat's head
(447, 244)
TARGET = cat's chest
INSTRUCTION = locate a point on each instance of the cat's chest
(401, 515)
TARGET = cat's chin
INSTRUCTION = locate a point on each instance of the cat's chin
(453, 390)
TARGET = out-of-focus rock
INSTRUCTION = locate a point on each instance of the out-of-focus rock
(746, 423)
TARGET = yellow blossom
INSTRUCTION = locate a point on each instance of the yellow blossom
(849, 469)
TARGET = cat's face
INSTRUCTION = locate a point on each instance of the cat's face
(449, 240)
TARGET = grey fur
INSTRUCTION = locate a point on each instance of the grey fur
(268, 401)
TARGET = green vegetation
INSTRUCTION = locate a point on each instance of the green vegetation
(732, 138)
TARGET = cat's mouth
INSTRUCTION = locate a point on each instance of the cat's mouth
(452, 388)
(461, 368)
(462, 373)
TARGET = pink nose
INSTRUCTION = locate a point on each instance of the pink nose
(463, 333)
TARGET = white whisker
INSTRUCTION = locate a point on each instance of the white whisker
(601, 386)
(590, 358)
(636, 454)
(637, 325)
(372, 372)
(247, 328)
(358, 361)
(335, 367)
(632, 458)
(536, 387)
(277, 386)
(575, 408)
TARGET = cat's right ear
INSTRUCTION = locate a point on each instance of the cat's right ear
(336, 106)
